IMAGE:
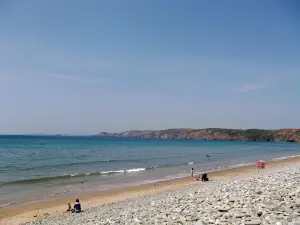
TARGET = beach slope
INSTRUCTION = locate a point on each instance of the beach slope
(231, 197)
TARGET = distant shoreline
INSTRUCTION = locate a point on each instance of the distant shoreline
(280, 135)
(290, 135)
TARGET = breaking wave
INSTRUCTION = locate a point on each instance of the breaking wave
(99, 173)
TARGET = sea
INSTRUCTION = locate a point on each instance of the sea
(37, 168)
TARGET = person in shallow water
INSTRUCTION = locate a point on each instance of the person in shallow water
(192, 172)
(77, 206)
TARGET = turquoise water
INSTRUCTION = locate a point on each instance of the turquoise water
(38, 167)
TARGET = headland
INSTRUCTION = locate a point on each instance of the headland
(280, 135)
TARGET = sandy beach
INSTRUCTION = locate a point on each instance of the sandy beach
(51, 208)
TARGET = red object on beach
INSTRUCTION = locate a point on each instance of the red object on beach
(260, 164)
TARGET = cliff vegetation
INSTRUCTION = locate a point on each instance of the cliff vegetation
(283, 135)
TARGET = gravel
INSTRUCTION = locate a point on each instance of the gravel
(266, 197)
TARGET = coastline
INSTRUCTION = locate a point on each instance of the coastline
(49, 208)
(291, 135)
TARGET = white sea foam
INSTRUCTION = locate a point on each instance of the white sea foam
(135, 170)
(286, 157)
(6, 204)
(112, 171)
(238, 165)
(74, 174)
(123, 171)
(71, 174)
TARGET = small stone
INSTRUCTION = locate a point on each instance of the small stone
(234, 199)
(259, 213)
(211, 221)
(224, 208)
(239, 215)
(198, 223)
(253, 222)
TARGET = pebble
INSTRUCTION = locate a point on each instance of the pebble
(259, 213)
(270, 197)
(253, 222)
(224, 208)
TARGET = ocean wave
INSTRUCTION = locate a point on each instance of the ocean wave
(167, 165)
(136, 170)
(112, 171)
(218, 153)
(45, 179)
(100, 173)
(124, 171)
(285, 157)
(238, 165)
(69, 176)
(109, 161)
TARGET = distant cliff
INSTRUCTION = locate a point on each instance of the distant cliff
(285, 135)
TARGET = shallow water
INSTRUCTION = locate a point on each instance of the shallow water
(38, 167)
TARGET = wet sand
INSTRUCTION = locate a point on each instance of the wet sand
(41, 210)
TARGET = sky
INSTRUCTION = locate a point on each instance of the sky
(83, 67)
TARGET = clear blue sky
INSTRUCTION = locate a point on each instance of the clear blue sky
(81, 67)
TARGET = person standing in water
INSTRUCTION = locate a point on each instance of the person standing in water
(192, 172)
(207, 155)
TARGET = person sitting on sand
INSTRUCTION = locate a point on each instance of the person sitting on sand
(69, 207)
(77, 207)
(204, 177)
(197, 178)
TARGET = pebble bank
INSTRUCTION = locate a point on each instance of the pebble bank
(269, 197)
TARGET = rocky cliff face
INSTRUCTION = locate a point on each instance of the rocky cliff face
(289, 135)
(286, 135)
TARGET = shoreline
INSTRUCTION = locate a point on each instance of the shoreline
(50, 208)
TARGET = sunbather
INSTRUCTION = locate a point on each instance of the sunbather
(77, 206)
